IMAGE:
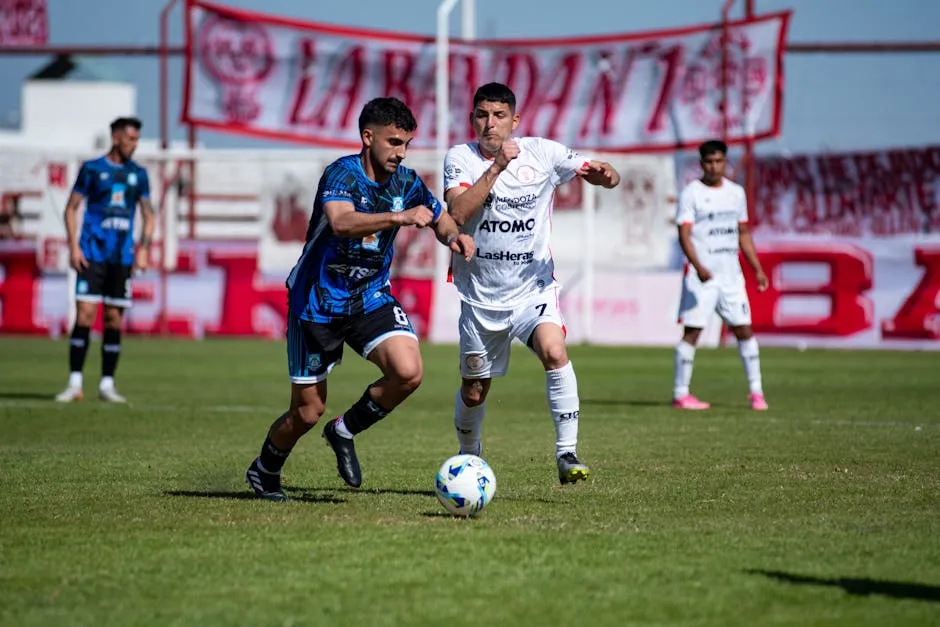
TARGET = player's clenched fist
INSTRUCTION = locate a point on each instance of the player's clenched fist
(508, 151)
(419, 216)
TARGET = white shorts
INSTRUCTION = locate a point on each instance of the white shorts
(726, 296)
(486, 335)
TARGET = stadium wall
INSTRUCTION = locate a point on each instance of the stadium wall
(852, 263)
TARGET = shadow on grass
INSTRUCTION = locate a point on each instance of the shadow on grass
(406, 492)
(859, 587)
(296, 494)
(347, 489)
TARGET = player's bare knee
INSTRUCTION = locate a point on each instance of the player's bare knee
(474, 391)
(112, 317)
(554, 356)
(85, 314)
(743, 333)
(306, 416)
(691, 335)
(407, 377)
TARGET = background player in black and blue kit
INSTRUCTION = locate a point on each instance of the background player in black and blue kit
(339, 292)
(103, 252)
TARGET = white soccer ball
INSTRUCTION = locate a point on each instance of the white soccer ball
(465, 484)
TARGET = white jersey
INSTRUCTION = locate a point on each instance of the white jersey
(512, 229)
(714, 213)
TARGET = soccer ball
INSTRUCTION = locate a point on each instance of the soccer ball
(465, 484)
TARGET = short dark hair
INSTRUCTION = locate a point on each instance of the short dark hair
(385, 112)
(495, 92)
(121, 123)
(711, 147)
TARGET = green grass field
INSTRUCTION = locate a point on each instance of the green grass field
(823, 511)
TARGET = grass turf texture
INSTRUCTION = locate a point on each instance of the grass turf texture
(822, 511)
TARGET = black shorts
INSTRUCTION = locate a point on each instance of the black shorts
(109, 283)
(315, 348)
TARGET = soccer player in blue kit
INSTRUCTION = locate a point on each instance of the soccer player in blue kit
(339, 292)
(103, 253)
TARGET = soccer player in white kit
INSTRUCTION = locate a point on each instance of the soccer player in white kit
(500, 189)
(712, 221)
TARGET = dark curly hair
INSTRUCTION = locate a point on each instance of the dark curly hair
(386, 111)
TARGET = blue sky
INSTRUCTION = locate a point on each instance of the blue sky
(833, 102)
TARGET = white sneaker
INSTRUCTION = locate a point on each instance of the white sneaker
(110, 395)
(69, 395)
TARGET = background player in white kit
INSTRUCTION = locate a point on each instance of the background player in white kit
(712, 220)
(500, 190)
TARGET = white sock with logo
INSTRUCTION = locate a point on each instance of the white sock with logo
(750, 357)
(468, 421)
(561, 388)
(684, 357)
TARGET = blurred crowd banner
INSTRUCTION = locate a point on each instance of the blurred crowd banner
(282, 78)
(23, 23)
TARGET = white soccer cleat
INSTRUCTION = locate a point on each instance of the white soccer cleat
(109, 395)
(70, 395)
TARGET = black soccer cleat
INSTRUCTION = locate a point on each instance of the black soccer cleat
(347, 464)
(266, 485)
(571, 469)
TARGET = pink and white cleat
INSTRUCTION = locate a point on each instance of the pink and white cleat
(689, 402)
(758, 402)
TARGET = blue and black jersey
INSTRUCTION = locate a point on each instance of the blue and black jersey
(341, 276)
(111, 193)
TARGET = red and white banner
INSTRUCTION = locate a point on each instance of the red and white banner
(851, 243)
(289, 79)
(23, 23)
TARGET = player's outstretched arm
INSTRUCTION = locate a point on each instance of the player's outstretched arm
(347, 222)
(448, 234)
(76, 256)
(600, 173)
(142, 256)
(750, 253)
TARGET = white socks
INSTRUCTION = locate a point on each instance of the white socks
(750, 357)
(75, 380)
(561, 388)
(341, 429)
(107, 383)
(685, 355)
(468, 421)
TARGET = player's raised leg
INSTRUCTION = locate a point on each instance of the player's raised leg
(561, 390)
(78, 349)
(485, 342)
(469, 412)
